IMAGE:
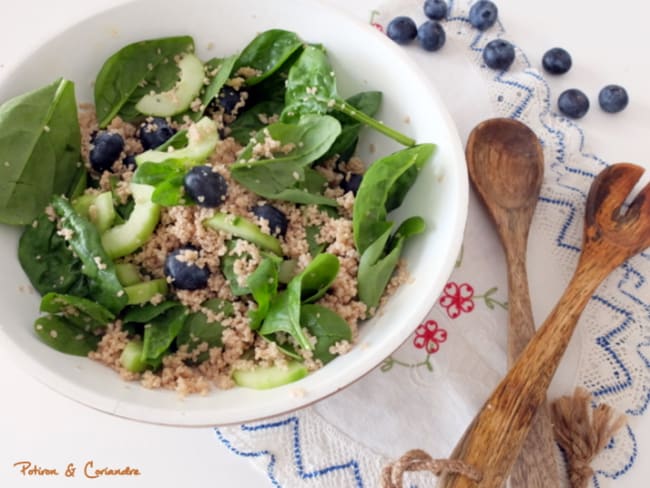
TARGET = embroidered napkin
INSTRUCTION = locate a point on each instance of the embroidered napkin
(426, 392)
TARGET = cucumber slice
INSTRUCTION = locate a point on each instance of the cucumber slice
(179, 98)
(127, 274)
(240, 227)
(125, 238)
(96, 208)
(202, 139)
(145, 291)
(131, 357)
(265, 378)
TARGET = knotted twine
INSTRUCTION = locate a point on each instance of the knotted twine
(581, 431)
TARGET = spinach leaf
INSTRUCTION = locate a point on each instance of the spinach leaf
(345, 144)
(141, 314)
(312, 232)
(263, 285)
(224, 69)
(305, 142)
(62, 335)
(47, 261)
(131, 72)
(267, 53)
(228, 270)
(310, 285)
(250, 122)
(167, 178)
(328, 328)
(97, 266)
(197, 328)
(384, 184)
(40, 147)
(376, 267)
(311, 89)
(160, 332)
(84, 313)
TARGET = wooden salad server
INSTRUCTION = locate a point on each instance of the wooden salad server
(613, 232)
(506, 165)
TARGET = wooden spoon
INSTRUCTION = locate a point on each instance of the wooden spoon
(612, 234)
(506, 165)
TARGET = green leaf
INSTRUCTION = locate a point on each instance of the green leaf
(198, 329)
(141, 314)
(135, 70)
(267, 53)
(97, 266)
(160, 332)
(247, 124)
(385, 184)
(263, 285)
(318, 276)
(84, 313)
(305, 141)
(328, 328)
(224, 69)
(60, 334)
(39, 151)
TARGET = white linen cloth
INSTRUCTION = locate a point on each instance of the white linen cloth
(427, 392)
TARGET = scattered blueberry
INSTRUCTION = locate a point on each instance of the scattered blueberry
(277, 220)
(556, 61)
(229, 98)
(483, 14)
(184, 273)
(402, 30)
(435, 9)
(206, 187)
(499, 54)
(573, 103)
(106, 149)
(351, 182)
(154, 132)
(431, 35)
(129, 161)
(613, 98)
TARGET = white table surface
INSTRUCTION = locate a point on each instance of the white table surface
(39, 425)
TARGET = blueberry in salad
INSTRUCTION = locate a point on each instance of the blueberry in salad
(402, 29)
(483, 14)
(573, 103)
(556, 61)
(226, 246)
(499, 54)
(613, 98)
(431, 35)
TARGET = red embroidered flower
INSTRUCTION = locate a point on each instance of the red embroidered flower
(429, 335)
(457, 299)
(377, 26)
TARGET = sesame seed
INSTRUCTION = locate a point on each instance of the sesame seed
(53, 334)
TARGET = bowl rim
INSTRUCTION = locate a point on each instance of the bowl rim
(59, 382)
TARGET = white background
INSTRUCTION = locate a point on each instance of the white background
(608, 46)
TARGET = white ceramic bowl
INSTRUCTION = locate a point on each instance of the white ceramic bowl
(363, 59)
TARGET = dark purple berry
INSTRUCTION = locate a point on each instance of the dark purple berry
(499, 54)
(431, 35)
(613, 98)
(483, 14)
(573, 103)
(556, 61)
(435, 9)
(402, 30)
(106, 148)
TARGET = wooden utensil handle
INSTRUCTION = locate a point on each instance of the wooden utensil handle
(506, 417)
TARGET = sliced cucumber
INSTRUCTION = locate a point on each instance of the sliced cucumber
(125, 238)
(265, 378)
(96, 208)
(131, 357)
(127, 274)
(145, 291)
(179, 98)
(240, 227)
(202, 139)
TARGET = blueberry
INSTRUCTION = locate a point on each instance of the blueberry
(129, 161)
(402, 30)
(573, 103)
(435, 9)
(106, 149)
(556, 61)
(613, 98)
(483, 14)
(229, 98)
(351, 182)
(277, 220)
(154, 132)
(186, 275)
(431, 35)
(205, 187)
(499, 54)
